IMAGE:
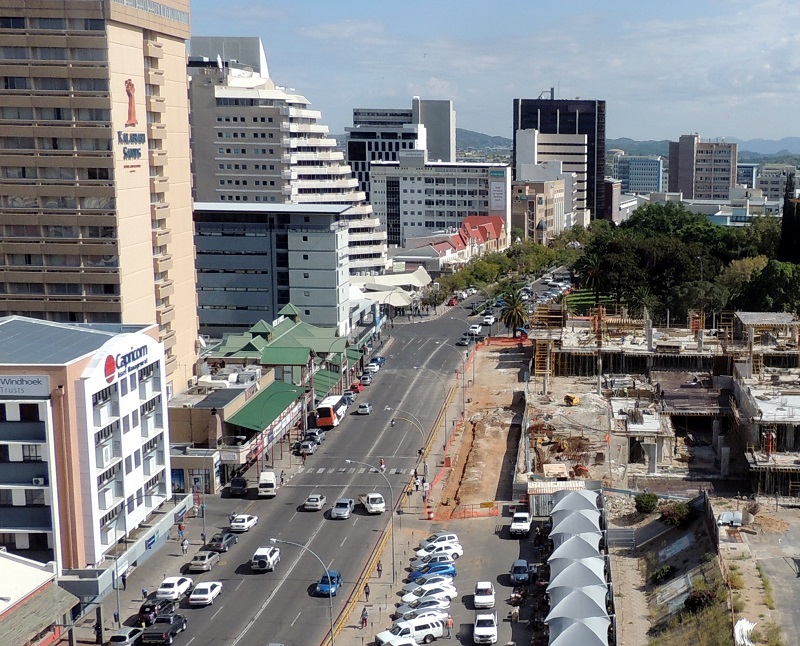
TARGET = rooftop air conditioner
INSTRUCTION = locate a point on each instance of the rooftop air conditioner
(38, 482)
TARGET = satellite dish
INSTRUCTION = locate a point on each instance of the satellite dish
(201, 341)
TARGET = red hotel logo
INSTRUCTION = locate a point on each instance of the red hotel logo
(110, 368)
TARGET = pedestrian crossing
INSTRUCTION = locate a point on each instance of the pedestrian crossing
(321, 470)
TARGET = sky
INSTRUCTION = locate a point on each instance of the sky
(721, 68)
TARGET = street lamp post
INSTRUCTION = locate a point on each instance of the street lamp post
(391, 509)
(322, 563)
(415, 422)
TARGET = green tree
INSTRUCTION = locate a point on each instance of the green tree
(591, 273)
(790, 235)
(513, 314)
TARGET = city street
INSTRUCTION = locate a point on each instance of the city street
(258, 608)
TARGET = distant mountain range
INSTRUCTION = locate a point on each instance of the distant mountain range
(750, 149)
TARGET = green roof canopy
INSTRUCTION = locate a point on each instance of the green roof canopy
(353, 356)
(275, 356)
(266, 407)
(324, 381)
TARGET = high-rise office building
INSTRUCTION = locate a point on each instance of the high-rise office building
(702, 170)
(254, 141)
(570, 117)
(638, 173)
(382, 133)
(95, 194)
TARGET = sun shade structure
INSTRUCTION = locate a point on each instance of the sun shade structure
(580, 604)
(574, 500)
(593, 537)
(592, 631)
(581, 546)
(577, 574)
(576, 522)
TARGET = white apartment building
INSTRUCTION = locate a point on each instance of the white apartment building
(772, 178)
(254, 141)
(84, 458)
(639, 173)
(417, 197)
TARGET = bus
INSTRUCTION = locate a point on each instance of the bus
(331, 411)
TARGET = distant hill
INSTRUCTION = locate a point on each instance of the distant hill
(466, 139)
(785, 146)
(633, 147)
(749, 150)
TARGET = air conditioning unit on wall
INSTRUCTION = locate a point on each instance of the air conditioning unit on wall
(38, 482)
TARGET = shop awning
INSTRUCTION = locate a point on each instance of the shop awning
(324, 381)
(353, 356)
(266, 407)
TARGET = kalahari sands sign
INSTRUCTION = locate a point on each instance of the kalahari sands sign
(131, 142)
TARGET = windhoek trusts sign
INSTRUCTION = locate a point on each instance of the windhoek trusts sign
(24, 386)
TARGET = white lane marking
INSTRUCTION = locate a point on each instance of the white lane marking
(216, 613)
(351, 470)
(322, 470)
(190, 641)
(362, 469)
(238, 585)
(296, 618)
(343, 542)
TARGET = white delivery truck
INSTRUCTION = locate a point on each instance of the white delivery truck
(373, 502)
(267, 484)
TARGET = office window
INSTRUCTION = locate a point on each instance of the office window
(34, 497)
(128, 465)
(6, 499)
(31, 453)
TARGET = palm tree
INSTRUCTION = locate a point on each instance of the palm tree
(513, 314)
(590, 271)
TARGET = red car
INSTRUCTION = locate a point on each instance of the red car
(453, 301)
(357, 387)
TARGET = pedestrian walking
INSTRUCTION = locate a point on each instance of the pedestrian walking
(185, 546)
(283, 477)
(417, 483)
(380, 569)
(116, 617)
(449, 625)
(366, 592)
(364, 617)
(383, 465)
(181, 529)
(144, 594)
(124, 580)
(304, 459)
(416, 475)
(203, 537)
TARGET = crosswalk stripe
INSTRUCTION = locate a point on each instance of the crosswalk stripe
(362, 469)
(351, 470)
(322, 470)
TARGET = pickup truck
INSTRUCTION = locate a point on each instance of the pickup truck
(520, 524)
(342, 508)
(373, 503)
(164, 629)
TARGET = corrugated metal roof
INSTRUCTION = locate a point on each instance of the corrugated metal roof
(265, 407)
(324, 381)
(43, 609)
(27, 341)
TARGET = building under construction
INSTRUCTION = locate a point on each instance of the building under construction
(738, 380)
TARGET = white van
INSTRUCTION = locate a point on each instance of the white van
(422, 630)
(267, 484)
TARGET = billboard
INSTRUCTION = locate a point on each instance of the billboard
(497, 196)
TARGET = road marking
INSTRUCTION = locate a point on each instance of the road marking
(322, 470)
(190, 641)
(351, 470)
(362, 469)
(239, 585)
(342, 469)
(296, 618)
(216, 613)
(345, 538)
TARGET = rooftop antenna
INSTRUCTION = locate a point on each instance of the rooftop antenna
(543, 94)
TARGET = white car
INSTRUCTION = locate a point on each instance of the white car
(438, 538)
(174, 587)
(243, 522)
(485, 629)
(315, 502)
(418, 564)
(489, 319)
(474, 330)
(365, 408)
(484, 594)
(372, 367)
(205, 593)
(265, 559)
(439, 614)
(422, 605)
(437, 591)
(453, 549)
(427, 580)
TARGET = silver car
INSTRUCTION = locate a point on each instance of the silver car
(203, 561)
(126, 636)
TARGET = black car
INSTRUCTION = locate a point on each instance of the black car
(239, 486)
(153, 607)
(222, 542)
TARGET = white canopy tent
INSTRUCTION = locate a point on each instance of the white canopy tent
(579, 604)
(583, 499)
(594, 537)
(575, 522)
(578, 547)
(577, 573)
(591, 631)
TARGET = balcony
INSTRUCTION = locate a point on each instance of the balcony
(153, 49)
(162, 263)
(161, 237)
(156, 104)
(157, 210)
(168, 337)
(165, 288)
(158, 183)
(156, 130)
(105, 413)
(154, 76)
(165, 314)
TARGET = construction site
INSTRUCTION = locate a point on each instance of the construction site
(617, 399)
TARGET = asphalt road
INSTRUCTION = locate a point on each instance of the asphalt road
(258, 608)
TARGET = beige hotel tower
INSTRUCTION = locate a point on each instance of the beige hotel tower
(95, 179)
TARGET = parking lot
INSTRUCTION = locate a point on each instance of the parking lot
(489, 552)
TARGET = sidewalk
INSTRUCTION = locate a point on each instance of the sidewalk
(169, 560)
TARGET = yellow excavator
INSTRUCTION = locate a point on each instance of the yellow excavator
(571, 400)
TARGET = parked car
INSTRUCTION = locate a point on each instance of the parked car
(127, 636)
(464, 341)
(453, 549)
(342, 508)
(349, 398)
(474, 330)
(372, 367)
(446, 569)
(315, 502)
(164, 629)
(426, 580)
(378, 359)
(203, 561)
(433, 613)
(329, 583)
(365, 408)
(153, 607)
(243, 522)
(489, 319)
(174, 587)
(366, 379)
(238, 486)
(484, 595)
(222, 542)
(485, 629)
(418, 564)
(205, 593)
(421, 605)
(307, 447)
(357, 387)
(453, 301)
(520, 572)
(438, 538)
(315, 435)
(437, 591)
